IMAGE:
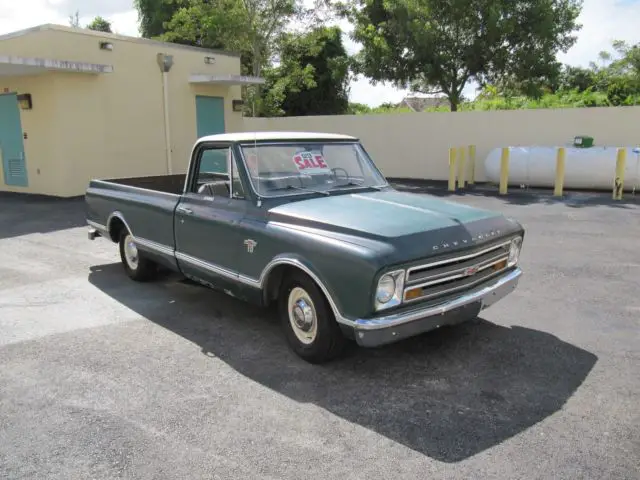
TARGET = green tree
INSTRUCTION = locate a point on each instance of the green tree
(154, 14)
(100, 24)
(312, 77)
(74, 20)
(619, 91)
(619, 76)
(439, 46)
(604, 57)
(510, 84)
(358, 109)
(200, 23)
(632, 57)
(251, 26)
(576, 78)
(628, 63)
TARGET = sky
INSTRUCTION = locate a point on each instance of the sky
(602, 22)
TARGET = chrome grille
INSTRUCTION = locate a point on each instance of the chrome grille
(449, 275)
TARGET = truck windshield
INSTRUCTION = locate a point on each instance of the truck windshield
(296, 168)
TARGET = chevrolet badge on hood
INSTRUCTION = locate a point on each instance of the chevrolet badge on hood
(474, 239)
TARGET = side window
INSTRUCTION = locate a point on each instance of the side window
(213, 178)
(212, 175)
(214, 161)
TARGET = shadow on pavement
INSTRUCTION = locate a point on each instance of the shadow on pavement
(449, 394)
(517, 196)
(23, 214)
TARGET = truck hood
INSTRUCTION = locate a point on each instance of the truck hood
(403, 225)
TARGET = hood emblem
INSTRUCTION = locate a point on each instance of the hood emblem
(475, 238)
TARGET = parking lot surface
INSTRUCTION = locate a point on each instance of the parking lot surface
(104, 378)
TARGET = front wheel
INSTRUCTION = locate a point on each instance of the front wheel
(308, 321)
(136, 266)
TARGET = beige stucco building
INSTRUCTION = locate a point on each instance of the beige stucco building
(77, 104)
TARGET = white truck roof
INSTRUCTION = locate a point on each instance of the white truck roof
(280, 135)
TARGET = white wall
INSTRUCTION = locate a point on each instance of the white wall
(416, 145)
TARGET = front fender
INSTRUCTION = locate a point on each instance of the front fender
(344, 270)
(299, 262)
(346, 280)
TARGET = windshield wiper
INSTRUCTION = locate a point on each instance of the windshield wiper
(353, 183)
(293, 187)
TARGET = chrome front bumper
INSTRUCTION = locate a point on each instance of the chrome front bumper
(377, 331)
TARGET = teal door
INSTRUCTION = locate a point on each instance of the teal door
(210, 115)
(11, 144)
(209, 121)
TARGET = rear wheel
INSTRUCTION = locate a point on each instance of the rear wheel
(308, 321)
(136, 265)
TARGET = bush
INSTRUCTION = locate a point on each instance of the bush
(619, 91)
(617, 94)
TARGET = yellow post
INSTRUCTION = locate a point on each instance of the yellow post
(472, 164)
(461, 167)
(618, 183)
(504, 170)
(452, 169)
(559, 183)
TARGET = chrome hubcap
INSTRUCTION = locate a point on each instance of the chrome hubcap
(130, 252)
(302, 315)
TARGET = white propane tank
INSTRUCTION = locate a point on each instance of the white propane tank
(590, 168)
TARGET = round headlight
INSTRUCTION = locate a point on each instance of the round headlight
(386, 289)
(514, 250)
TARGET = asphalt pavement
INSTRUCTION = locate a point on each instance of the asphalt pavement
(104, 378)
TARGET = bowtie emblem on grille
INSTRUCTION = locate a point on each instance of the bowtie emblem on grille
(470, 271)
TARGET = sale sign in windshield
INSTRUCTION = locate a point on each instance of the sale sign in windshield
(311, 163)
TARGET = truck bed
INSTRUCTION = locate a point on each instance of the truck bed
(159, 183)
(144, 205)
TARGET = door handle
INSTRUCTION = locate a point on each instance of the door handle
(185, 210)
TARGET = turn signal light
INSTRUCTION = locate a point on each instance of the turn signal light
(500, 265)
(413, 294)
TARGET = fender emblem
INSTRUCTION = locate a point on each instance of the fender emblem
(250, 244)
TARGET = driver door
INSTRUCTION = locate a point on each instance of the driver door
(208, 238)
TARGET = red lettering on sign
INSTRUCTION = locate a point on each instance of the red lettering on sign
(310, 163)
(320, 161)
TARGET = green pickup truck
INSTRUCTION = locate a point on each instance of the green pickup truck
(306, 221)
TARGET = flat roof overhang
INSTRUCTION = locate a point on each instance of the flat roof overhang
(20, 66)
(203, 78)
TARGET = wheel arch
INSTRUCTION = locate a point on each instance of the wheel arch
(115, 224)
(275, 271)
